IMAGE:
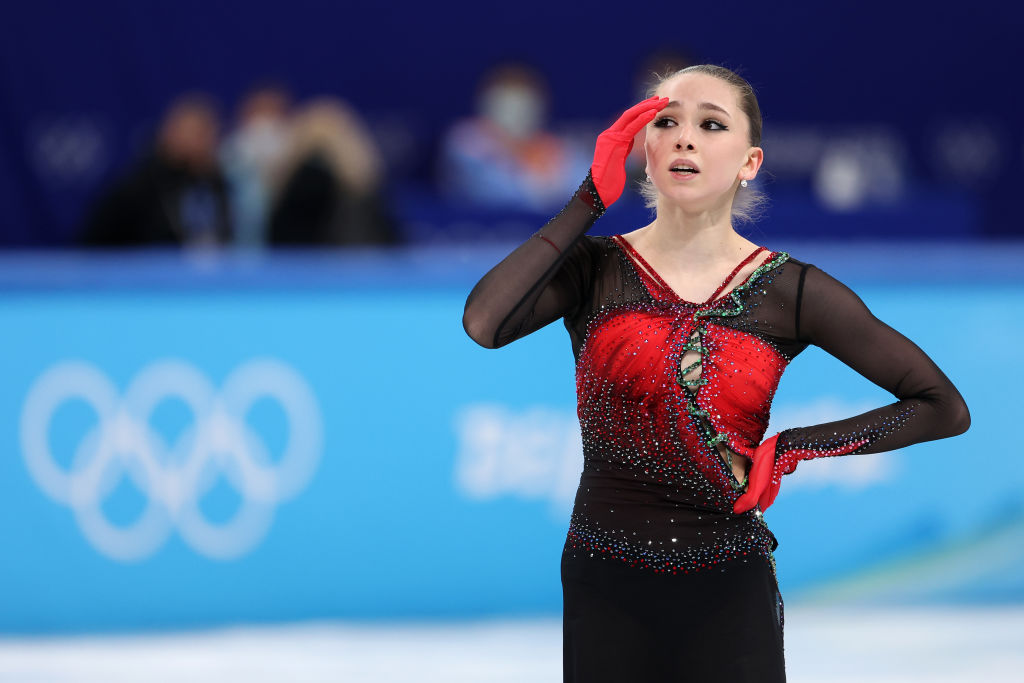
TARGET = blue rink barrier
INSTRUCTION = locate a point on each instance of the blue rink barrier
(198, 439)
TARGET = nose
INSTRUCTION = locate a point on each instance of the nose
(683, 137)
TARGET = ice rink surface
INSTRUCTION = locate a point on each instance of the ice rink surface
(823, 645)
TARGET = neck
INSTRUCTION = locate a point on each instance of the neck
(695, 240)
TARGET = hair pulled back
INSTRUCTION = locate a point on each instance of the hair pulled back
(748, 202)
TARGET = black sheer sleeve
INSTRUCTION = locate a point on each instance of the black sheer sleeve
(535, 284)
(832, 317)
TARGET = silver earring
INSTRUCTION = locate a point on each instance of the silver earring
(743, 183)
(648, 178)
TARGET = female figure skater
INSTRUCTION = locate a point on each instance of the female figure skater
(681, 331)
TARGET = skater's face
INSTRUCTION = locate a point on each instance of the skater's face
(702, 127)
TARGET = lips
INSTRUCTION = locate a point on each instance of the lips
(678, 164)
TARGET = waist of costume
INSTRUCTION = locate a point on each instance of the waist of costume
(623, 514)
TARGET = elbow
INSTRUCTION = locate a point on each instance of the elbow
(956, 418)
(478, 329)
(961, 419)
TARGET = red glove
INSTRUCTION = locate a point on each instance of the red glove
(761, 490)
(614, 145)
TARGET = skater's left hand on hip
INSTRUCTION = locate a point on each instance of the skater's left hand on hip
(761, 488)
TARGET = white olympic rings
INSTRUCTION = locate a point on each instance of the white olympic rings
(174, 476)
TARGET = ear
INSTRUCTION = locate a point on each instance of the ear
(755, 157)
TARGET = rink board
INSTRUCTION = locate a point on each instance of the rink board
(197, 442)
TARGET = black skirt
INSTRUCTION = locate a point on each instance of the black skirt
(625, 624)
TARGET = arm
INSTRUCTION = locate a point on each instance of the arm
(529, 288)
(521, 294)
(929, 407)
(116, 217)
(835, 319)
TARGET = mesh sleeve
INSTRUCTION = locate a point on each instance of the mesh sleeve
(832, 317)
(533, 285)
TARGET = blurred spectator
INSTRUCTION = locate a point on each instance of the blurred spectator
(176, 194)
(504, 156)
(329, 186)
(249, 156)
(860, 170)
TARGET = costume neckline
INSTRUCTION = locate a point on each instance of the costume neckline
(648, 273)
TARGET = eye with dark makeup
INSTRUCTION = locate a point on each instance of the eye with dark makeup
(664, 122)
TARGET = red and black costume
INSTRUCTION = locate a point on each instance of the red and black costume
(662, 579)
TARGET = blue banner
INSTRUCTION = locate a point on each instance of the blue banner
(257, 447)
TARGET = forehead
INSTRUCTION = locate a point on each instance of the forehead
(697, 87)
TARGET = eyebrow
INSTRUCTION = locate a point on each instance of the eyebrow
(702, 105)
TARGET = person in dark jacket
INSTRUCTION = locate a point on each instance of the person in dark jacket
(176, 194)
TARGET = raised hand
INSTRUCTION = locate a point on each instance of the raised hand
(761, 490)
(613, 146)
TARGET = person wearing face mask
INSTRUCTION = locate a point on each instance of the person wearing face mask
(681, 331)
(250, 155)
(503, 156)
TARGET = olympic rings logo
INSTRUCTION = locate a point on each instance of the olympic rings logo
(174, 476)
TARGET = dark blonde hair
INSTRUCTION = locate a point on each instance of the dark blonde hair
(748, 203)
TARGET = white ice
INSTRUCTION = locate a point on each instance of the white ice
(823, 645)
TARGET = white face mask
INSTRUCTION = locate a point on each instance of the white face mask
(262, 143)
(516, 109)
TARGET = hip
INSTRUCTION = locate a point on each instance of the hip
(722, 624)
(670, 539)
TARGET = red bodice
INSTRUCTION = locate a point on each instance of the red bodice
(631, 387)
